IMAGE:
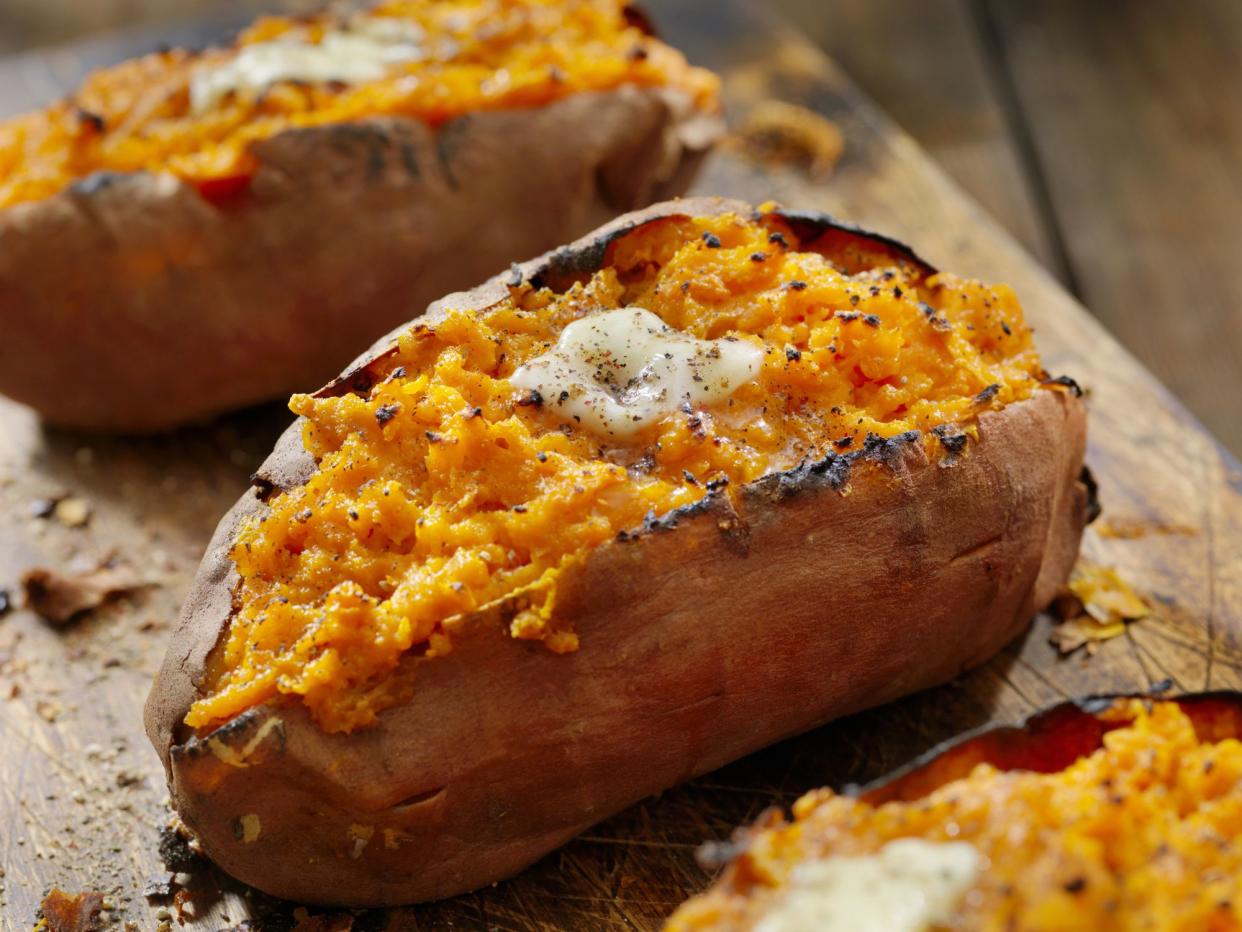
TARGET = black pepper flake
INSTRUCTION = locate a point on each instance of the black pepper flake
(871, 320)
(92, 119)
(6, 602)
(715, 485)
(304, 515)
(778, 238)
(398, 373)
(792, 353)
(953, 443)
(637, 53)
(847, 316)
(1077, 885)
(541, 456)
(854, 299)
(842, 443)
(897, 292)
(689, 477)
(642, 466)
(758, 257)
(473, 413)
(712, 240)
(796, 285)
(433, 437)
(385, 413)
(987, 394)
(515, 276)
(520, 509)
(353, 514)
(531, 398)
(1005, 327)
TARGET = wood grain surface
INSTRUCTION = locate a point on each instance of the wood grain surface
(81, 794)
(1105, 136)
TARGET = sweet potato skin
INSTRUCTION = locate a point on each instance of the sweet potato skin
(1051, 741)
(1047, 742)
(133, 302)
(845, 585)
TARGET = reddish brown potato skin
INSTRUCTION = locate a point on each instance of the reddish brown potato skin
(134, 303)
(1050, 741)
(700, 643)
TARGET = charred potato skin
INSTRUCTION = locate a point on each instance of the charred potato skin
(922, 571)
(1047, 742)
(136, 302)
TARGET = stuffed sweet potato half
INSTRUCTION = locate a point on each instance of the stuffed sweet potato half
(704, 479)
(188, 233)
(1113, 813)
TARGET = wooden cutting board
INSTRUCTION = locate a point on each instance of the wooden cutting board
(82, 795)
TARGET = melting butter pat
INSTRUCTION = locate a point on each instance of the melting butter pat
(618, 371)
(364, 50)
(910, 885)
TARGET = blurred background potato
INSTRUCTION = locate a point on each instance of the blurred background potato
(1104, 136)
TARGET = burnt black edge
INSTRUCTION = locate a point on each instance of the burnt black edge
(196, 745)
(236, 728)
(818, 219)
(579, 260)
(640, 19)
(1091, 705)
(557, 268)
(832, 471)
(1066, 382)
(1094, 508)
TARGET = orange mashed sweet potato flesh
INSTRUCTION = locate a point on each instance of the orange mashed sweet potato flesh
(1140, 834)
(444, 489)
(461, 56)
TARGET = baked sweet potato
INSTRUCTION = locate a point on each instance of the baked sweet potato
(463, 615)
(173, 245)
(1111, 813)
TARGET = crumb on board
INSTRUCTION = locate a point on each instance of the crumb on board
(59, 598)
(72, 512)
(176, 850)
(775, 132)
(1096, 606)
(1122, 528)
(68, 510)
(65, 912)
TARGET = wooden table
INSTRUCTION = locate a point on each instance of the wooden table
(81, 793)
(1106, 136)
